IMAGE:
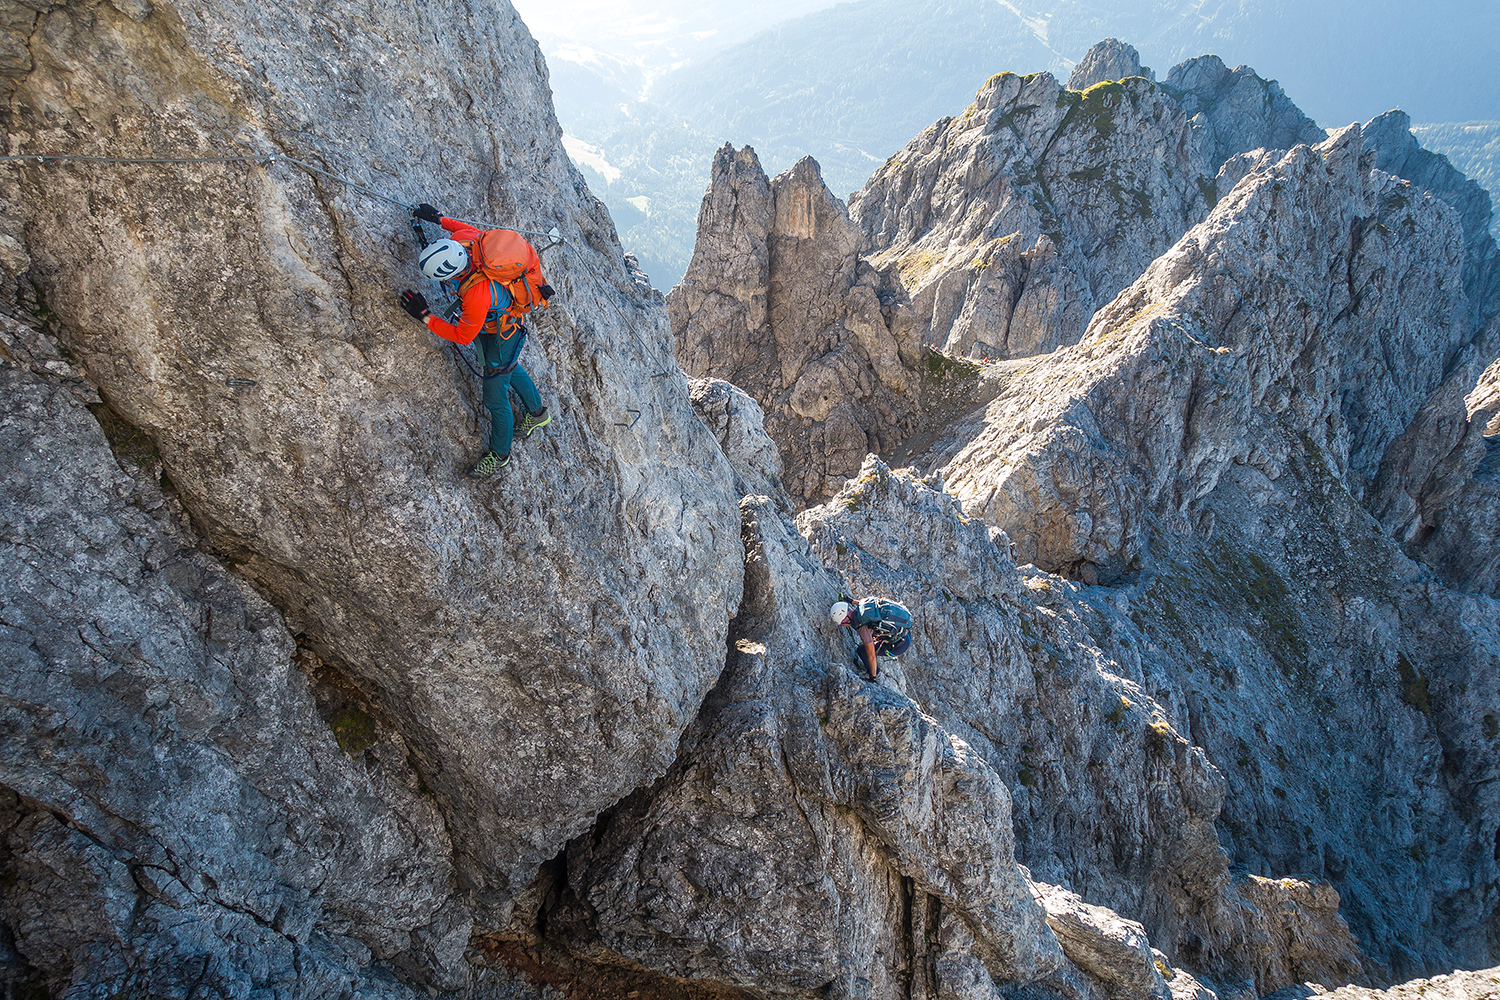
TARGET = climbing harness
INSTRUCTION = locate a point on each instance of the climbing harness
(515, 360)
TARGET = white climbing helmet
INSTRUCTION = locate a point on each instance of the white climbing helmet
(840, 612)
(443, 259)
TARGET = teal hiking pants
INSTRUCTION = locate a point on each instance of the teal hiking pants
(499, 354)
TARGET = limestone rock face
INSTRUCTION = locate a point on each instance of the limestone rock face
(293, 708)
(778, 302)
(1214, 449)
(1485, 399)
(1314, 237)
(538, 642)
(1009, 225)
(1111, 949)
(764, 858)
(993, 235)
(175, 770)
(739, 425)
(720, 312)
(1238, 109)
(1398, 152)
(1251, 437)
(1437, 489)
(1110, 59)
(1069, 703)
(1480, 985)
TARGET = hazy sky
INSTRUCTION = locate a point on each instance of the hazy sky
(1340, 60)
(656, 33)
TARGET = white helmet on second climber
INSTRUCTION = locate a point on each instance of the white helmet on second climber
(444, 259)
(840, 612)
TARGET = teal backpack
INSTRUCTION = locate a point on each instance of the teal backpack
(886, 618)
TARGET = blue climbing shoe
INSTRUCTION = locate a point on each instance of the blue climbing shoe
(532, 421)
(489, 465)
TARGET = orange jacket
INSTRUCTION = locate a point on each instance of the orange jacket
(479, 298)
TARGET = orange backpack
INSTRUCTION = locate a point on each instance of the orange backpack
(503, 255)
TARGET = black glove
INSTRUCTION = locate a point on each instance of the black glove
(546, 291)
(427, 213)
(415, 304)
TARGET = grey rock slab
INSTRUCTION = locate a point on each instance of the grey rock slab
(992, 235)
(1110, 948)
(720, 311)
(1233, 675)
(1237, 110)
(739, 424)
(1110, 178)
(1481, 984)
(187, 813)
(1397, 151)
(777, 302)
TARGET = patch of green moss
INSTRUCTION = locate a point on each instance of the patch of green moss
(942, 365)
(1129, 201)
(1116, 715)
(841, 548)
(1209, 188)
(1413, 685)
(1491, 727)
(126, 440)
(1239, 578)
(1418, 852)
(354, 730)
(1026, 776)
(1096, 107)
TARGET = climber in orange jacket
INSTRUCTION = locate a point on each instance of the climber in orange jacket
(497, 277)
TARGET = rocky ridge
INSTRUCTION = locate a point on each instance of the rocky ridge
(1108, 60)
(297, 710)
(993, 235)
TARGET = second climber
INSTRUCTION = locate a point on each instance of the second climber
(882, 625)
